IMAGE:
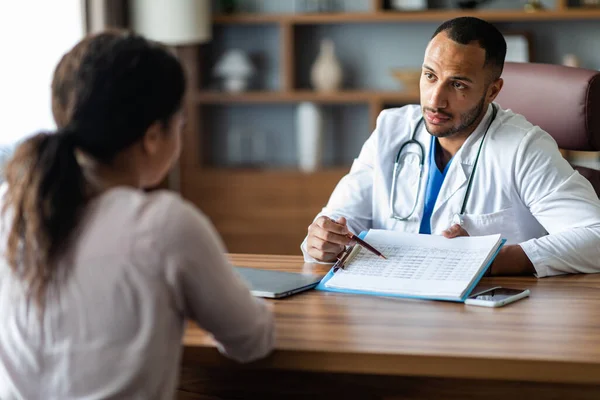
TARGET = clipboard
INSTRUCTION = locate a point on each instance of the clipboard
(347, 255)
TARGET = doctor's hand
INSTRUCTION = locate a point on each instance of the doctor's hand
(327, 238)
(455, 231)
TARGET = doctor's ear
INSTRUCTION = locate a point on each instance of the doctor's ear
(494, 89)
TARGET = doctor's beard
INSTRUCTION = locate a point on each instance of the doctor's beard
(467, 120)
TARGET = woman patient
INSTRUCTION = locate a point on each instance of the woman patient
(97, 277)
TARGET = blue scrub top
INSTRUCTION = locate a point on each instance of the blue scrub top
(434, 184)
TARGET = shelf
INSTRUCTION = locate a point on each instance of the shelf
(247, 18)
(342, 97)
(416, 16)
(283, 172)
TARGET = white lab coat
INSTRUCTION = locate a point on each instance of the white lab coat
(523, 189)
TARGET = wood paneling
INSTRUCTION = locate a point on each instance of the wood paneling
(547, 346)
(286, 53)
(266, 211)
(221, 383)
(191, 143)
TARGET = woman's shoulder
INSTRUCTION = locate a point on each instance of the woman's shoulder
(174, 225)
(152, 222)
(169, 206)
(158, 208)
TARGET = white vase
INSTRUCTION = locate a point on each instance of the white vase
(326, 73)
(409, 5)
(309, 136)
(235, 84)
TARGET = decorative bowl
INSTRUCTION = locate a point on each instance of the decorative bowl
(408, 77)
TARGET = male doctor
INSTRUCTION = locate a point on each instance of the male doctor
(485, 170)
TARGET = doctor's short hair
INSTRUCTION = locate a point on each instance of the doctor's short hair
(465, 30)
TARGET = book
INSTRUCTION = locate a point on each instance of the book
(417, 266)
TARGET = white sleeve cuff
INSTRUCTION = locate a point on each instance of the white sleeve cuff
(532, 251)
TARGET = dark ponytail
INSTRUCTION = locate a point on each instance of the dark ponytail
(106, 92)
(47, 193)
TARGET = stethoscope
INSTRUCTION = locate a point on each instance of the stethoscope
(413, 141)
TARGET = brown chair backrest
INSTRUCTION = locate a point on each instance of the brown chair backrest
(563, 101)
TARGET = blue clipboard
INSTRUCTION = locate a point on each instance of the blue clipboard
(321, 286)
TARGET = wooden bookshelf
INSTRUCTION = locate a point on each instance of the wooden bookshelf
(341, 97)
(562, 5)
(413, 16)
(269, 210)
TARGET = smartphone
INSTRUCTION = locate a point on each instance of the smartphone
(496, 297)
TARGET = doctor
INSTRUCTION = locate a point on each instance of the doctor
(460, 165)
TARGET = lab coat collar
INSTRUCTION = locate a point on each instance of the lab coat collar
(462, 165)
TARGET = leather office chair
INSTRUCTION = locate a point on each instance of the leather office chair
(563, 101)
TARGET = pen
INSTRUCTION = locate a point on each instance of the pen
(363, 243)
(342, 258)
(366, 245)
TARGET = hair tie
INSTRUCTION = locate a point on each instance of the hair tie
(67, 136)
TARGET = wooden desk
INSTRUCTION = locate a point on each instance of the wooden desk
(360, 347)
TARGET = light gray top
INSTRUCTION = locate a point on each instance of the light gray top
(141, 265)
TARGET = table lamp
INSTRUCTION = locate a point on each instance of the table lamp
(172, 22)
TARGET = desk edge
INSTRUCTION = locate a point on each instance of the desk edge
(407, 365)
